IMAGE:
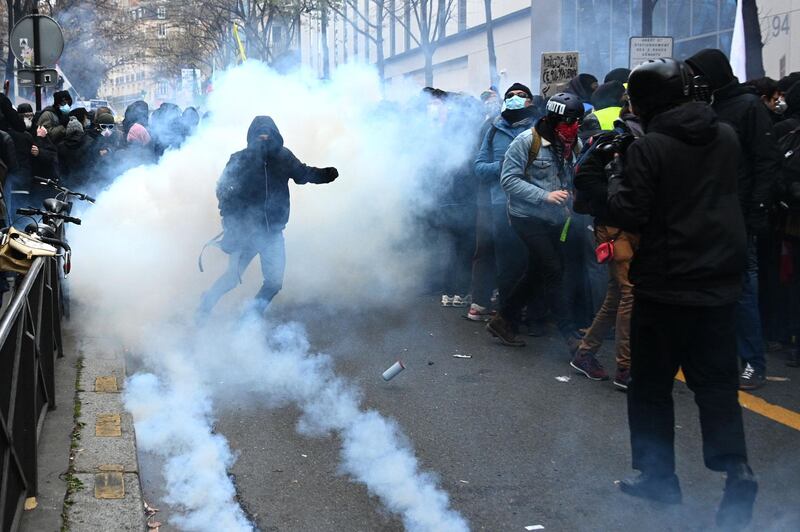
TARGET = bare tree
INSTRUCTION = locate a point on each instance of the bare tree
(430, 22)
(365, 25)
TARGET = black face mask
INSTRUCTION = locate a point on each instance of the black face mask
(512, 116)
(266, 148)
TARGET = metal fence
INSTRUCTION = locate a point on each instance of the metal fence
(30, 341)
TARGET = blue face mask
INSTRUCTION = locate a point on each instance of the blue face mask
(514, 103)
(65, 108)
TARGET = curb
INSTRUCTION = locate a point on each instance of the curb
(103, 484)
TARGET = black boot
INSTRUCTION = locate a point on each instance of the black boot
(503, 330)
(736, 509)
(664, 489)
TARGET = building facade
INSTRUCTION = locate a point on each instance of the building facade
(600, 30)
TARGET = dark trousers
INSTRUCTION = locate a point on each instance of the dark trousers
(544, 250)
(483, 261)
(749, 338)
(702, 342)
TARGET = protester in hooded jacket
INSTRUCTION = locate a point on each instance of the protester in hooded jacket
(791, 117)
(102, 157)
(73, 152)
(166, 128)
(253, 194)
(607, 102)
(517, 116)
(136, 113)
(583, 86)
(677, 188)
(618, 74)
(55, 118)
(10, 119)
(758, 171)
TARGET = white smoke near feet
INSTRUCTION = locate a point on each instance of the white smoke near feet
(135, 278)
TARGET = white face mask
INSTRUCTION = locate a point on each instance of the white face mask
(781, 106)
(28, 123)
(106, 132)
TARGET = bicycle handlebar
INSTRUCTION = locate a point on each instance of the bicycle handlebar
(39, 212)
(65, 190)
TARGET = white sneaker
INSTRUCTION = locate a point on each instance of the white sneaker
(447, 301)
(459, 301)
(479, 313)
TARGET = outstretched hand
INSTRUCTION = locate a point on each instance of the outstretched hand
(331, 173)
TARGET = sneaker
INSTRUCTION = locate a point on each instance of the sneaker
(657, 488)
(736, 508)
(586, 363)
(504, 331)
(622, 378)
(751, 379)
(447, 301)
(459, 301)
(479, 313)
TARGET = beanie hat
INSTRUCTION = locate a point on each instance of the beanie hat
(518, 87)
(74, 127)
(618, 74)
(104, 118)
(58, 96)
(24, 108)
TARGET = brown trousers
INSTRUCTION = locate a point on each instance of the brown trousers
(617, 307)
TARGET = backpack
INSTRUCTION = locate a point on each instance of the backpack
(533, 152)
(789, 146)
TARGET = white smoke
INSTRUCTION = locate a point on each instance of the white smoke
(136, 280)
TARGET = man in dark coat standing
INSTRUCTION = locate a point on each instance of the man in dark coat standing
(758, 170)
(678, 190)
(253, 195)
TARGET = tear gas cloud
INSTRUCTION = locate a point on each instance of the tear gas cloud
(349, 243)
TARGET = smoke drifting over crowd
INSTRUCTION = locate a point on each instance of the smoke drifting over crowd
(136, 279)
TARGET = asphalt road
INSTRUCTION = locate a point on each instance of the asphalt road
(511, 444)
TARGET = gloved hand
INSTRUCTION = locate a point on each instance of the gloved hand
(329, 174)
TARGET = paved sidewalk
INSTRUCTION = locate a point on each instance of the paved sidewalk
(88, 471)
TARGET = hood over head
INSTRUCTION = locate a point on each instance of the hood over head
(74, 128)
(618, 74)
(694, 123)
(608, 95)
(264, 125)
(714, 66)
(792, 98)
(581, 86)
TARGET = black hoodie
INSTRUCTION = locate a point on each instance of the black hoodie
(678, 190)
(253, 191)
(759, 159)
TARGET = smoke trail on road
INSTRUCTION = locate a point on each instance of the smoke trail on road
(135, 277)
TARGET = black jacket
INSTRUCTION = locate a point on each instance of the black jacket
(678, 190)
(760, 162)
(253, 191)
(73, 153)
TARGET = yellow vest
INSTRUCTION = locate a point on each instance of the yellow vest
(607, 116)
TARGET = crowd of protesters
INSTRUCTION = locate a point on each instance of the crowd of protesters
(83, 149)
(660, 208)
(536, 201)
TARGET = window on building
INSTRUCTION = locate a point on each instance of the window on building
(462, 15)
(161, 12)
(162, 89)
(162, 31)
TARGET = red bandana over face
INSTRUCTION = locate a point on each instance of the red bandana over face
(568, 135)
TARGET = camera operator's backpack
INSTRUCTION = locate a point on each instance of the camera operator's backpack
(789, 146)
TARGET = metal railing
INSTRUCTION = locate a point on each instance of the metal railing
(30, 341)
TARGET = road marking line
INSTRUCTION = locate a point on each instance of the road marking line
(782, 415)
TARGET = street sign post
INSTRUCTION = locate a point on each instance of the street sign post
(642, 49)
(558, 68)
(37, 42)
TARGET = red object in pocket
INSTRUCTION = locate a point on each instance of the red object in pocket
(604, 252)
